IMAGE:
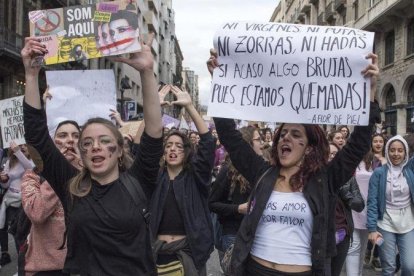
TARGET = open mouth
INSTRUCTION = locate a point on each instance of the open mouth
(286, 150)
(97, 159)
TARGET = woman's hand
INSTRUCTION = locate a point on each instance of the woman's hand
(32, 48)
(117, 117)
(212, 62)
(141, 61)
(183, 98)
(162, 93)
(372, 71)
(242, 209)
(4, 177)
(373, 236)
(14, 147)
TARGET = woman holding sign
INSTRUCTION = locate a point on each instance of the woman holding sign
(289, 227)
(105, 203)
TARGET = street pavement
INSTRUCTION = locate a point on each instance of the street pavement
(213, 267)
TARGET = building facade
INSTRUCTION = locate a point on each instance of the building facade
(393, 24)
(154, 16)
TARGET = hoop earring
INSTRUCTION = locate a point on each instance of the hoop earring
(120, 163)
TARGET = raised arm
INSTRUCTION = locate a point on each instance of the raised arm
(203, 161)
(143, 62)
(343, 166)
(26, 163)
(57, 170)
(242, 155)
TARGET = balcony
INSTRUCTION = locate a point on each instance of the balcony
(152, 21)
(11, 43)
(313, 2)
(340, 5)
(321, 19)
(383, 13)
(306, 6)
(329, 12)
(154, 5)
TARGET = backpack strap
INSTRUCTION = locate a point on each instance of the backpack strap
(137, 193)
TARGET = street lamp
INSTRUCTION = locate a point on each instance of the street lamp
(124, 85)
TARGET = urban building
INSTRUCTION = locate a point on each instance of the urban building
(393, 24)
(154, 16)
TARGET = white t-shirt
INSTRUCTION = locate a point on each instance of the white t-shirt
(283, 235)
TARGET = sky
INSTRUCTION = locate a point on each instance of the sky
(196, 22)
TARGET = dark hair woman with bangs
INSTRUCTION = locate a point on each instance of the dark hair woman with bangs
(180, 218)
(289, 226)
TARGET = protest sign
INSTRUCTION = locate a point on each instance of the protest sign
(277, 72)
(168, 121)
(89, 31)
(12, 128)
(130, 128)
(79, 95)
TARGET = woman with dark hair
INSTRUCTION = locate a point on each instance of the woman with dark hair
(124, 32)
(230, 192)
(289, 227)
(180, 218)
(106, 202)
(10, 179)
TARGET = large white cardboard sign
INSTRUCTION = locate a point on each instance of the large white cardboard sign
(79, 95)
(277, 72)
(12, 128)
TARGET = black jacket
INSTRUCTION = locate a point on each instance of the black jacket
(226, 205)
(320, 191)
(352, 199)
(191, 189)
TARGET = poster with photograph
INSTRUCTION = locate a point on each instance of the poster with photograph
(82, 32)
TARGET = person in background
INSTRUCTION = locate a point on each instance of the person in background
(337, 138)
(378, 141)
(268, 137)
(358, 246)
(180, 218)
(230, 193)
(349, 198)
(345, 131)
(391, 208)
(10, 179)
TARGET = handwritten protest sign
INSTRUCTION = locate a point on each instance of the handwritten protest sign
(276, 72)
(89, 31)
(12, 128)
(79, 95)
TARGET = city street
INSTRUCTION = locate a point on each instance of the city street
(213, 267)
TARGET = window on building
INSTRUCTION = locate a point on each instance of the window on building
(410, 37)
(410, 108)
(389, 47)
(356, 12)
(390, 112)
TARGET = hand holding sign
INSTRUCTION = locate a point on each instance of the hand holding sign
(212, 62)
(141, 61)
(14, 146)
(372, 71)
(32, 49)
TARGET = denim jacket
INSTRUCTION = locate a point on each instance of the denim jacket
(376, 193)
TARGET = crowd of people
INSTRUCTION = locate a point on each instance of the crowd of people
(296, 200)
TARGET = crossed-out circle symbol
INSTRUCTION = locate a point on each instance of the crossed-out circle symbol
(49, 22)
